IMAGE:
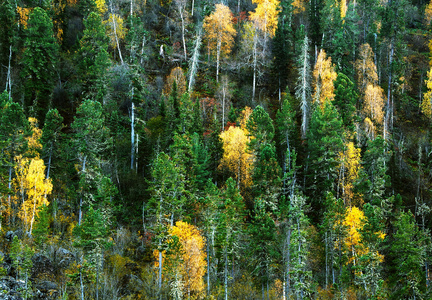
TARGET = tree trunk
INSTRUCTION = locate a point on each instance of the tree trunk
(132, 134)
(218, 52)
(183, 32)
(160, 271)
(254, 65)
(115, 34)
(81, 198)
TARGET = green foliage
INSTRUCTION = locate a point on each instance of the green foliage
(345, 100)
(39, 62)
(42, 226)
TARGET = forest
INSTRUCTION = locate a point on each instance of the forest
(249, 149)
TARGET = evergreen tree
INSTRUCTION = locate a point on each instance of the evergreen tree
(325, 141)
(39, 62)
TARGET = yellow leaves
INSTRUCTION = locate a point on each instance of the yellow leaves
(374, 103)
(365, 68)
(351, 166)
(343, 8)
(354, 222)
(101, 7)
(34, 145)
(193, 266)
(324, 74)
(32, 186)
(299, 6)
(265, 16)
(220, 30)
(236, 158)
(120, 29)
(23, 13)
(428, 14)
(189, 262)
(426, 106)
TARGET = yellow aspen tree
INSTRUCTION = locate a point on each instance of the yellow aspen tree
(354, 222)
(244, 117)
(32, 186)
(428, 14)
(343, 9)
(236, 157)
(299, 6)
(219, 33)
(193, 258)
(33, 141)
(349, 172)
(101, 7)
(265, 16)
(365, 68)
(426, 106)
(323, 76)
(119, 32)
(374, 103)
(23, 13)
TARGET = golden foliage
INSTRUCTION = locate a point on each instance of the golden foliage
(176, 75)
(120, 29)
(299, 6)
(101, 7)
(193, 257)
(236, 157)
(428, 14)
(365, 68)
(343, 8)
(351, 166)
(219, 30)
(374, 103)
(33, 186)
(23, 13)
(323, 76)
(426, 106)
(354, 222)
(34, 144)
(244, 117)
(265, 16)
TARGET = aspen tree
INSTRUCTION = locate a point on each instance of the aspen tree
(426, 106)
(220, 33)
(365, 68)
(324, 75)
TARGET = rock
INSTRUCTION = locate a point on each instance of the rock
(9, 236)
(42, 267)
(46, 290)
(9, 288)
(64, 257)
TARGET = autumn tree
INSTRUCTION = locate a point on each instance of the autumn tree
(373, 108)
(349, 174)
(193, 258)
(257, 32)
(220, 33)
(236, 158)
(365, 68)
(324, 75)
(426, 105)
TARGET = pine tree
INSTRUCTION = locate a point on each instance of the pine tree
(39, 62)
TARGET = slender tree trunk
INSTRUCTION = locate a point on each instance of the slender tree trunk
(255, 41)
(288, 259)
(81, 198)
(226, 273)
(8, 78)
(223, 105)
(115, 34)
(183, 32)
(82, 284)
(208, 269)
(160, 271)
(132, 133)
(218, 53)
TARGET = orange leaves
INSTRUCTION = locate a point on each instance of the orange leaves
(324, 74)
(176, 75)
(23, 13)
(220, 30)
(265, 16)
